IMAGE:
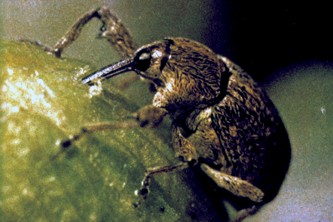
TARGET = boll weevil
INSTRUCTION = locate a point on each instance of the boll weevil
(222, 121)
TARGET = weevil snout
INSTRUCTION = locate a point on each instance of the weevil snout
(148, 62)
(109, 71)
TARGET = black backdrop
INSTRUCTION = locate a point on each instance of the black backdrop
(276, 33)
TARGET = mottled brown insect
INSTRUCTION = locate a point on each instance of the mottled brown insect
(221, 119)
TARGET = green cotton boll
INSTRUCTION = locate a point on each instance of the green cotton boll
(44, 102)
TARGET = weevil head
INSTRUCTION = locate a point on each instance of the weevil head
(190, 75)
(186, 73)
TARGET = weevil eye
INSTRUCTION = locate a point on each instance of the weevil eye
(150, 60)
(143, 61)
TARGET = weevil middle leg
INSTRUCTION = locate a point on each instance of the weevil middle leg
(144, 190)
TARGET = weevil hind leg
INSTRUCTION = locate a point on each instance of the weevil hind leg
(239, 188)
(234, 184)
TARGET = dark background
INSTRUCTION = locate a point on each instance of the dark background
(272, 34)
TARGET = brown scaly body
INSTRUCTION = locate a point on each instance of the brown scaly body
(231, 124)
(221, 119)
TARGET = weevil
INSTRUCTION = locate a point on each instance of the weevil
(222, 120)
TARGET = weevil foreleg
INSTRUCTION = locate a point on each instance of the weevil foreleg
(144, 190)
(147, 116)
(91, 128)
(112, 29)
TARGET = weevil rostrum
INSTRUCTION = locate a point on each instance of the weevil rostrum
(222, 120)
